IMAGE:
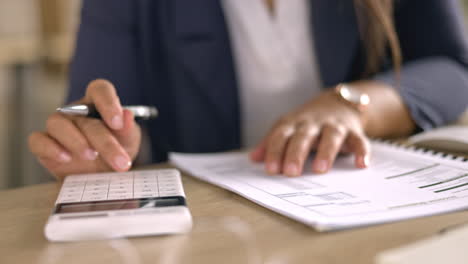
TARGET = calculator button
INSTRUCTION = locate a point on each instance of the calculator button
(143, 180)
(144, 176)
(168, 184)
(72, 189)
(145, 185)
(112, 193)
(146, 190)
(168, 180)
(140, 180)
(120, 196)
(140, 183)
(70, 194)
(98, 178)
(97, 188)
(73, 185)
(98, 193)
(119, 178)
(94, 198)
(69, 199)
(94, 185)
(120, 187)
(167, 177)
(126, 190)
(76, 197)
(121, 182)
(169, 190)
(97, 182)
(166, 194)
(137, 195)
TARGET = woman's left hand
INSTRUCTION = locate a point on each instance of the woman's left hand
(325, 124)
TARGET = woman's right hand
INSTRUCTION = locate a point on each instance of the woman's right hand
(73, 144)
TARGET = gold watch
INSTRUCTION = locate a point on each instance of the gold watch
(353, 97)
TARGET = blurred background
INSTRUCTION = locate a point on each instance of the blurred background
(36, 44)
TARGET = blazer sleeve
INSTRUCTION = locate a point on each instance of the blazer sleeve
(434, 76)
(107, 47)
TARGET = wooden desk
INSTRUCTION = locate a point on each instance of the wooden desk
(24, 212)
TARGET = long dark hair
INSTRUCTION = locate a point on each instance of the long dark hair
(376, 22)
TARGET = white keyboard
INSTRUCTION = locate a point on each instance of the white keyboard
(120, 186)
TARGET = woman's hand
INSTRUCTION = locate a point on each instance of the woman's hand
(325, 124)
(73, 145)
(329, 125)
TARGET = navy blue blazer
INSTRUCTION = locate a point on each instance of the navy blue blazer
(176, 54)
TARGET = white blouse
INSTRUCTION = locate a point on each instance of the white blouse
(275, 61)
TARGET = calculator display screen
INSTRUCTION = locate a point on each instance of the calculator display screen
(119, 204)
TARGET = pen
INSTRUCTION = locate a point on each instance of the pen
(140, 112)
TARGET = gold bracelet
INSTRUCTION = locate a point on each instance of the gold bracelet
(355, 98)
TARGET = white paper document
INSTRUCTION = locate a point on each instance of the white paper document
(399, 184)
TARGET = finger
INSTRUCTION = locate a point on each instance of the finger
(103, 95)
(51, 165)
(276, 147)
(104, 142)
(359, 145)
(130, 132)
(42, 146)
(298, 149)
(65, 132)
(258, 153)
(331, 139)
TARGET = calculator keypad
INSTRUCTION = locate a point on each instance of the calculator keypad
(118, 186)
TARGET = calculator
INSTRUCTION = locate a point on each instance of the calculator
(115, 205)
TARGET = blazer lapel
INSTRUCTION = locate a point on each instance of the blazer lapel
(336, 38)
(203, 51)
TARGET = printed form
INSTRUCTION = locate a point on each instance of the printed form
(399, 184)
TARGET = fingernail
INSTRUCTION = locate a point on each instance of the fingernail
(90, 154)
(292, 170)
(362, 161)
(117, 122)
(366, 160)
(64, 157)
(321, 166)
(122, 163)
(272, 168)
